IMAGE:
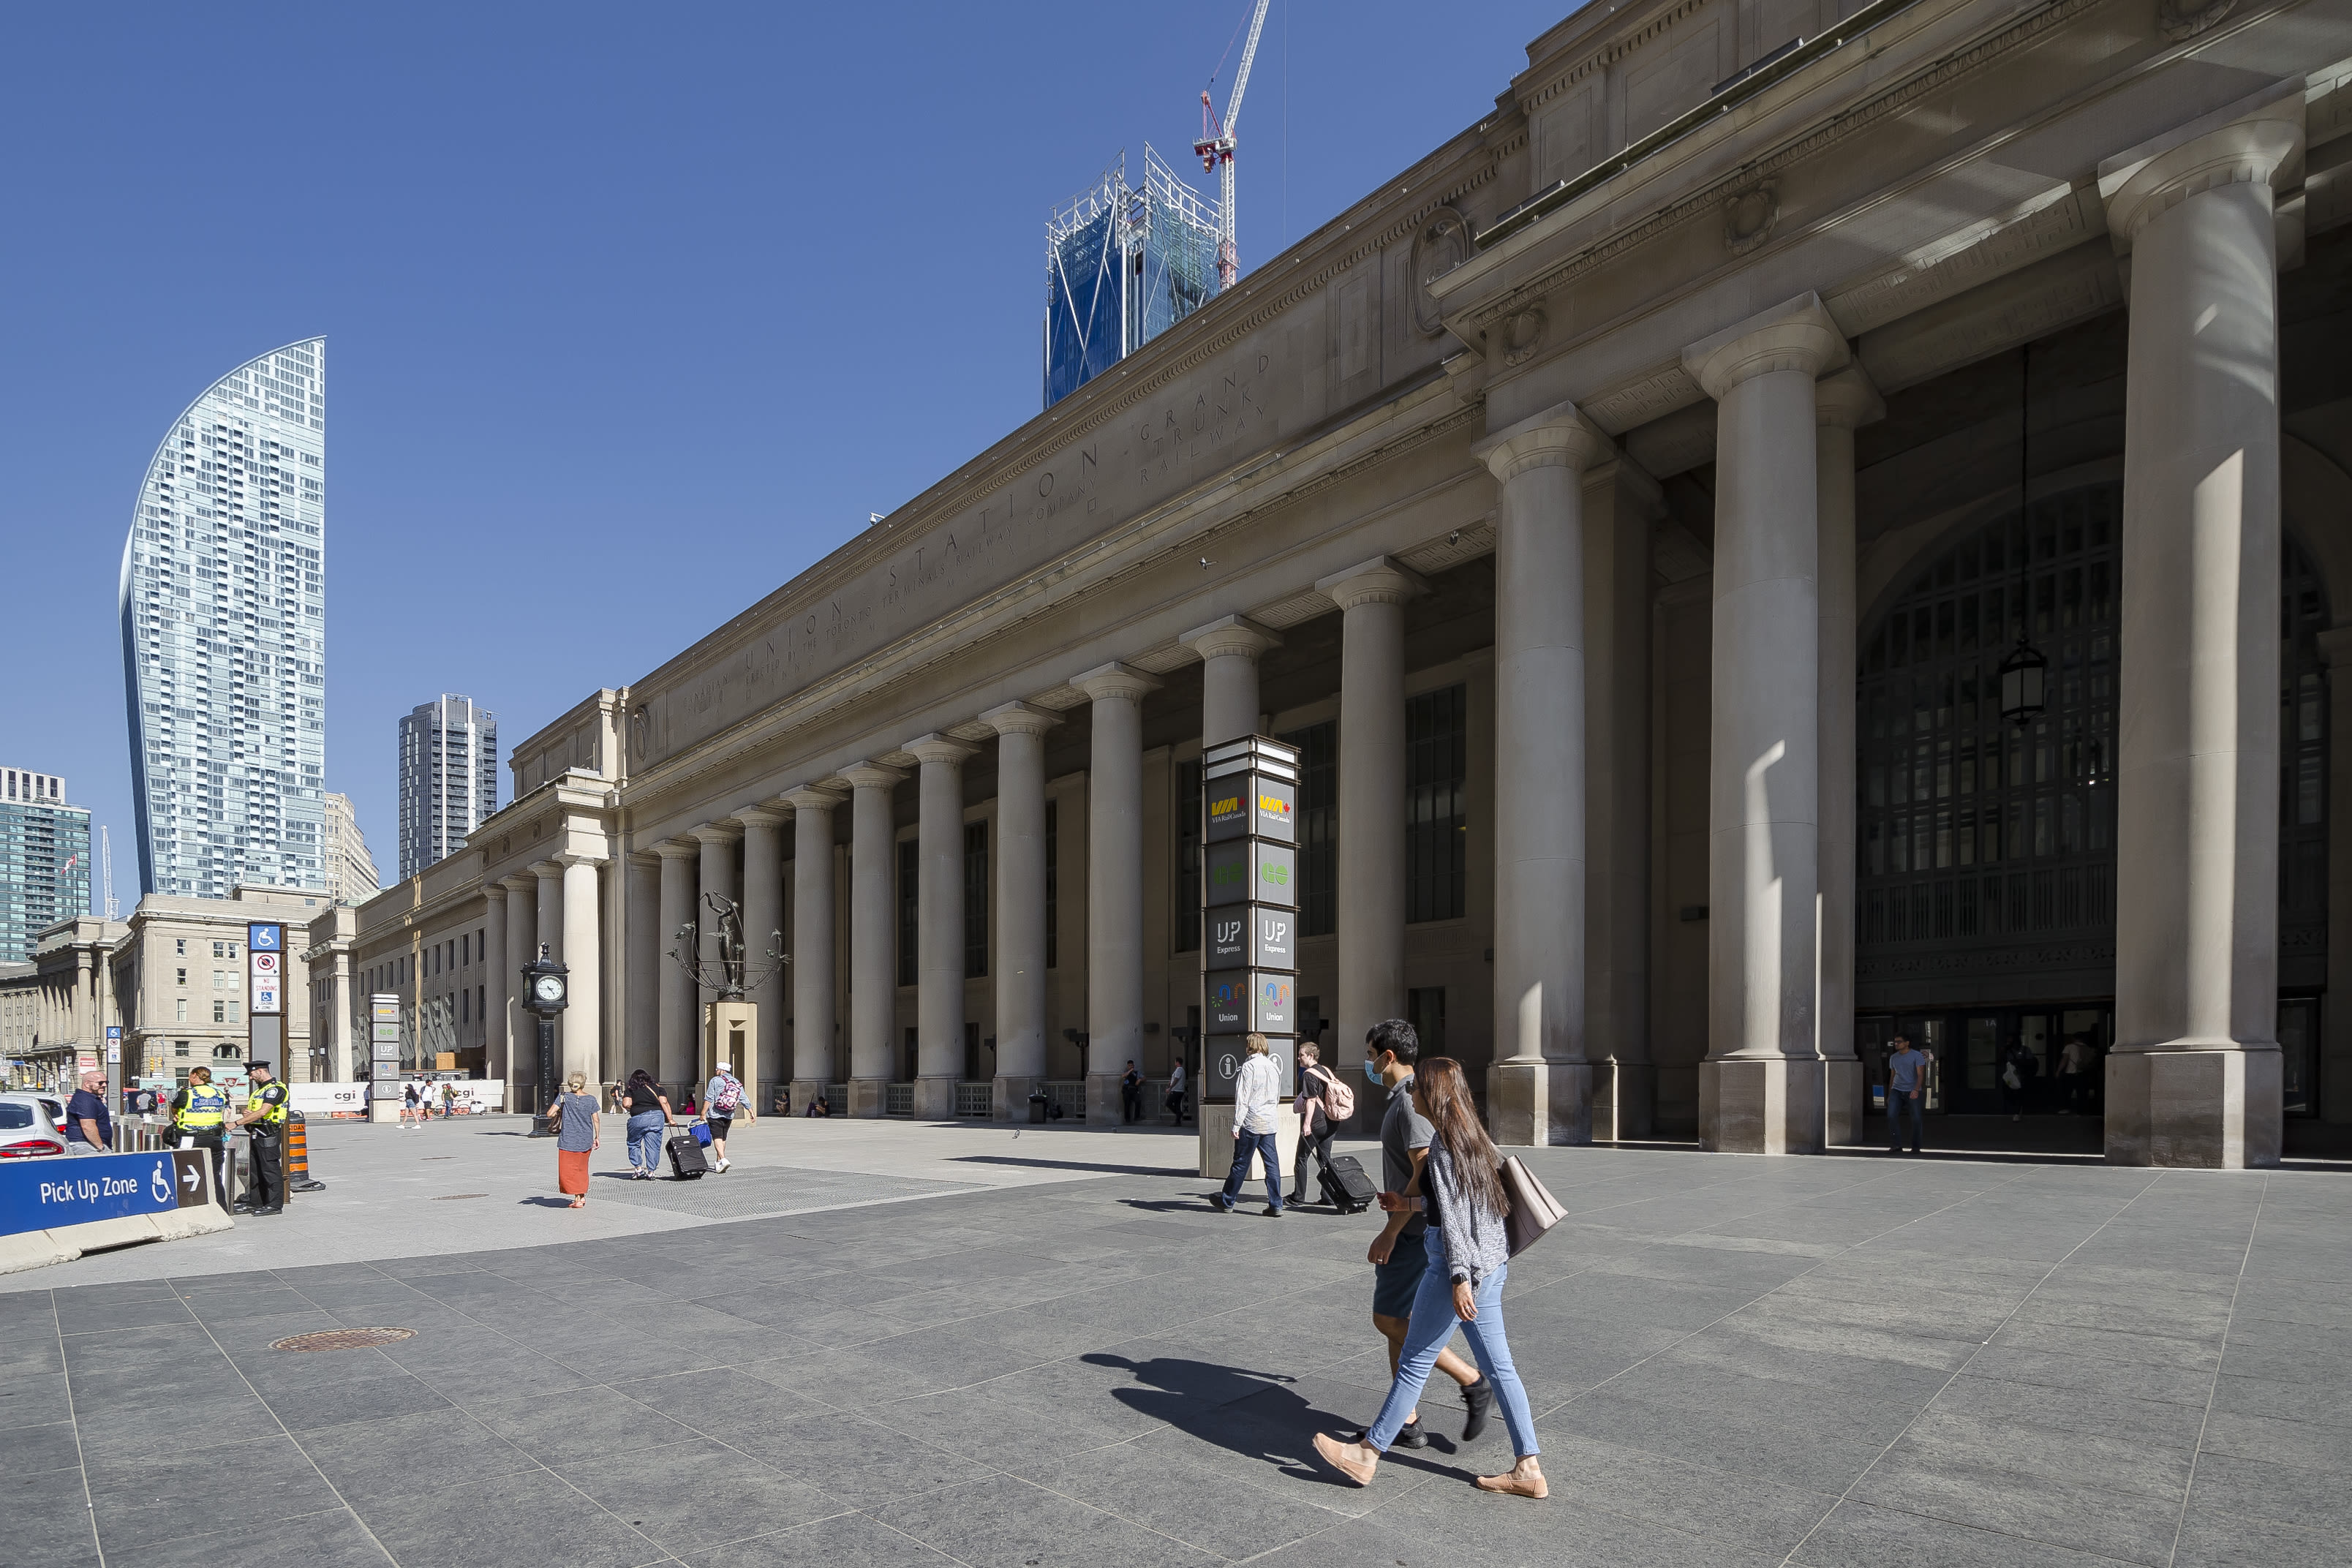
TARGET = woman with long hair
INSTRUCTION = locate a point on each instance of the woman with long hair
(649, 1111)
(1461, 1186)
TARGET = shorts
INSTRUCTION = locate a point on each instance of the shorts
(1396, 1282)
(720, 1124)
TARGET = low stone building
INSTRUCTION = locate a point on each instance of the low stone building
(1806, 522)
(178, 971)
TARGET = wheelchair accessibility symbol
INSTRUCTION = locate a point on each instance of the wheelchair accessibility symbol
(160, 1187)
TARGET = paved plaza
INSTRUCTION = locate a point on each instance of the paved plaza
(953, 1346)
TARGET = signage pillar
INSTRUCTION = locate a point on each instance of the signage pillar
(1249, 947)
(265, 1012)
(383, 1051)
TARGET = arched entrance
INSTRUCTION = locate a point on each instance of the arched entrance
(1984, 899)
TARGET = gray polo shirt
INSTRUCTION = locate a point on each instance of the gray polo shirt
(1402, 1130)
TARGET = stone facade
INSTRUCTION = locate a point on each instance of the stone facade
(1577, 480)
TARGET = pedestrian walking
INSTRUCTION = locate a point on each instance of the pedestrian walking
(1176, 1091)
(89, 1125)
(2074, 1065)
(1400, 1255)
(1314, 1118)
(725, 1097)
(2019, 1072)
(200, 1120)
(1130, 1095)
(1907, 1076)
(412, 1113)
(1257, 1092)
(1459, 1191)
(448, 1101)
(577, 1136)
(648, 1112)
(264, 1145)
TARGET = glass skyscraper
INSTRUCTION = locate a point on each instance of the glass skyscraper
(448, 778)
(223, 634)
(44, 859)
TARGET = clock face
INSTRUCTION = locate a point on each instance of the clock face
(549, 987)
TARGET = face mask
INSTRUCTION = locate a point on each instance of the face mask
(1371, 1067)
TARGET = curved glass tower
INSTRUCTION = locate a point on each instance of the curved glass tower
(223, 634)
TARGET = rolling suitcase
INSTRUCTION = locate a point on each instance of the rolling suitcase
(686, 1160)
(1345, 1186)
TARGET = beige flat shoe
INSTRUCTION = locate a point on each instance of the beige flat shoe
(1351, 1459)
(1521, 1480)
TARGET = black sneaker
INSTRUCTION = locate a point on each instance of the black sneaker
(1411, 1436)
(1480, 1398)
(1273, 1213)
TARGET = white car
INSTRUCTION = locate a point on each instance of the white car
(31, 1126)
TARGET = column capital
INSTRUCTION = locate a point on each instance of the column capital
(1796, 334)
(1380, 581)
(1559, 437)
(723, 831)
(571, 857)
(1847, 399)
(767, 814)
(2259, 139)
(813, 797)
(872, 776)
(1020, 719)
(548, 870)
(1115, 680)
(1231, 635)
(494, 892)
(678, 849)
(938, 748)
(523, 886)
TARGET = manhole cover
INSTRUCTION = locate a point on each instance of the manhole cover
(345, 1340)
(446, 1198)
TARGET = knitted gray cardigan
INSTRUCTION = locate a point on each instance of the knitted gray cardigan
(1475, 1243)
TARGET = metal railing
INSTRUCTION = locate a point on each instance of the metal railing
(1070, 1095)
(973, 1100)
(898, 1100)
(837, 1095)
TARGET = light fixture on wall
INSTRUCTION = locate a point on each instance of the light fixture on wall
(2024, 674)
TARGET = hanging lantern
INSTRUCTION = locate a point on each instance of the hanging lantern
(2024, 674)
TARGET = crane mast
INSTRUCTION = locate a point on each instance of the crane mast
(1215, 149)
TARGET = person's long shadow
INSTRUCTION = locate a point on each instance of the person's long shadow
(1254, 1414)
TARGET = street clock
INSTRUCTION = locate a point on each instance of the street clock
(546, 985)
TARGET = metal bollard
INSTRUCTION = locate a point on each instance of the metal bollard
(298, 1156)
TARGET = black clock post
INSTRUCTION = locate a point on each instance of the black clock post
(546, 987)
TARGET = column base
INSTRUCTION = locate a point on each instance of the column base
(865, 1096)
(1539, 1103)
(1102, 1100)
(804, 1091)
(1624, 1100)
(1760, 1105)
(1217, 1149)
(935, 1100)
(1008, 1100)
(2202, 1109)
(1844, 1098)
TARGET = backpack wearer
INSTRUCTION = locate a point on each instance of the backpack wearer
(729, 1097)
(1339, 1100)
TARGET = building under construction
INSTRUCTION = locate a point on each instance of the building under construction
(1123, 264)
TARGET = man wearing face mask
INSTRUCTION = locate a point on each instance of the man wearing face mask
(1397, 1255)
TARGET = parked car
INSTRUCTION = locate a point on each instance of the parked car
(31, 1126)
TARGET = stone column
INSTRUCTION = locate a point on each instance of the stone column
(1229, 650)
(642, 960)
(2194, 1075)
(1371, 796)
(939, 966)
(873, 975)
(1019, 905)
(764, 925)
(814, 1009)
(2336, 1022)
(675, 1039)
(522, 1028)
(552, 934)
(1760, 1085)
(1114, 882)
(498, 1053)
(1539, 1089)
(584, 955)
(1842, 402)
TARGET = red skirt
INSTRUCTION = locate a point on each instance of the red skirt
(572, 1172)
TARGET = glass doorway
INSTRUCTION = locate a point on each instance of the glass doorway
(2040, 1060)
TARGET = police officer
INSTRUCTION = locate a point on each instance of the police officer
(265, 1115)
(200, 1120)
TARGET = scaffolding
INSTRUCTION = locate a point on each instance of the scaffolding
(1123, 264)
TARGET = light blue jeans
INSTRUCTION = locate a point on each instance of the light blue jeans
(1432, 1325)
(645, 1141)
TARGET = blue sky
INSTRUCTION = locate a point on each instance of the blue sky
(706, 283)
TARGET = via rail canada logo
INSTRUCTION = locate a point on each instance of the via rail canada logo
(1273, 807)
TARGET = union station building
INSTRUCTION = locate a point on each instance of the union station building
(1807, 522)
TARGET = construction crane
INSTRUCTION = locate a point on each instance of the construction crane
(1215, 148)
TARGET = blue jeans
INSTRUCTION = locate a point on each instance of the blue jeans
(645, 1140)
(1901, 1108)
(1432, 1325)
(1262, 1145)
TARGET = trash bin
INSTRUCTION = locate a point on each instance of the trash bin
(1036, 1110)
